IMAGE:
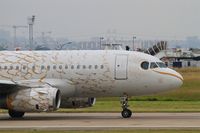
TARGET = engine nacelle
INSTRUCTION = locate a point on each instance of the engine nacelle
(34, 100)
(78, 102)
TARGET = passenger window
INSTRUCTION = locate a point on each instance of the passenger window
(33, 67)
(54, 67)
(90, 67)
(17, 67)
(72, 67)
(84, 67)
(145, 65)
(5, 67)
(102, 66)
(153, 65)
(42, 67)
(48, 67)
(96, 67)
(60, 67)
(78, 66)
(24, 67)
(66, 66)
(11, 67)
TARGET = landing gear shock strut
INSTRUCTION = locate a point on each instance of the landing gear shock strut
(15, 114)
(126, 113)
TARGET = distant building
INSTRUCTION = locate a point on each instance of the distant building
(179, 58)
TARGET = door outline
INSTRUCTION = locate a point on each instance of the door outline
(124, 77)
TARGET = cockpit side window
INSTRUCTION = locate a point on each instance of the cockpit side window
(161, 65)
(153, 65)
(145, 65)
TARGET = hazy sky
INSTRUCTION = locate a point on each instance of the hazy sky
(92, 17)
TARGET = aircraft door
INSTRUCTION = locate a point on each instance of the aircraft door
(121, 63)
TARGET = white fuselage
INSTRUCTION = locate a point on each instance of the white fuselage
(88, 73)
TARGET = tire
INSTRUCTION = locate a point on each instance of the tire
(126, 113)
(16, 114)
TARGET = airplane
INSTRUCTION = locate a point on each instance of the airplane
(44, 81)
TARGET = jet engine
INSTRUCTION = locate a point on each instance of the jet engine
(34, 100)
(78, 102)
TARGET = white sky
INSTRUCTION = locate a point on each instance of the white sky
(174, 18)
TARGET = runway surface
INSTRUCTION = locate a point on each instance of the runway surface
(101, 121)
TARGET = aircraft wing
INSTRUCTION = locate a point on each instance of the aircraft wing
(7, 86)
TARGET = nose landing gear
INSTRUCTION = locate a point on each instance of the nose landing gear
(126, 113)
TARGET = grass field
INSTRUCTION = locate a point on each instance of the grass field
(142, 106)
(138, 106)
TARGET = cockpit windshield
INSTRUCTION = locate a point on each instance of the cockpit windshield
(157, 64)
(161, 65)
(153, 65)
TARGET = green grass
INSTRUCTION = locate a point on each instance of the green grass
(142, 106)
(109, 131)
(137, 106)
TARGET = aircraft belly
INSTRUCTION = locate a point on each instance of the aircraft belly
(137, 87)
(93, 88)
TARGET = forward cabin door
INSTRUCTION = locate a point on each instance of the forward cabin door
(121, 64)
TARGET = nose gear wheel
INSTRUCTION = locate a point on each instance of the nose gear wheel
(126, 113)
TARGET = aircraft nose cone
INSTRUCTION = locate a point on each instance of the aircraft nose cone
(178, 78)
(171, 78)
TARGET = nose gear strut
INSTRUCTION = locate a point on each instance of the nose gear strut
(126, 113)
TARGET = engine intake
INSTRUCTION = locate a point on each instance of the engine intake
(34, 100)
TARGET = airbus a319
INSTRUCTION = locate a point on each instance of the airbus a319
(43, 81)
